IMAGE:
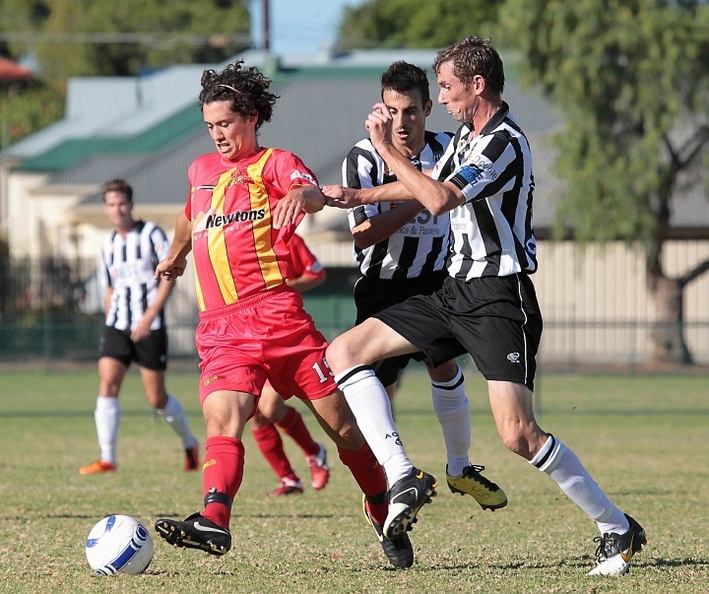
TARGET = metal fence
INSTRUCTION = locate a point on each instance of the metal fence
(50, 314)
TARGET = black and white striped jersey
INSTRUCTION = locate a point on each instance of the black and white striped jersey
(128, 267)
(421, 246)
(492, 233)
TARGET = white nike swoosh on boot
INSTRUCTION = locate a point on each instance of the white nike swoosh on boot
(208, 529)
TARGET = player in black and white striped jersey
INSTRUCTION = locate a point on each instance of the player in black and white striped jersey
(419, 246)
(128, 267)
(487, 305)
(402, 249)
(134, 326)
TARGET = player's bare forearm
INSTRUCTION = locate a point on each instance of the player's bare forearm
(343, 197)
(384, 225)
(163, 294)
(437, 197)
(306, 282)
(305, 198)
(142, 328)
(173, 266)
(108, 293)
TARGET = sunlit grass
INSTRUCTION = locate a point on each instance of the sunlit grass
(642, 438)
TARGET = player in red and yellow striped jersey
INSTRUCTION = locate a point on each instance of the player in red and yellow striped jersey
(244, 205)
(274, 415)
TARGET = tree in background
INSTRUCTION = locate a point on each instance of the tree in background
(631, 78)
(106, 38)
(24, 110)
(406, 24)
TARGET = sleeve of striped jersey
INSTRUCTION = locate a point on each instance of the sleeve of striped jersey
(359, 170)
(444, 166)
(103, 273)
(161, 245)
(488, 169)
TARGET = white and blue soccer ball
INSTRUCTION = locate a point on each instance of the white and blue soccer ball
(119, 544)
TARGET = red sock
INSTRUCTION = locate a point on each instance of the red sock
(271, 446)
(293, 426)
(370, 477)
(223, 471)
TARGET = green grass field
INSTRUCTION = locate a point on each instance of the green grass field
(644, 439)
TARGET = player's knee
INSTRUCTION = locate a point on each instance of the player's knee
(338, 354)
(266, 411)
(258, 420)
(354, 347)
(157, 400)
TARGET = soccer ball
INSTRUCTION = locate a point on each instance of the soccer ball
(119, 544)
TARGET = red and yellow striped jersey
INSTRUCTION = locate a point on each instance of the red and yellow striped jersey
(237, 252)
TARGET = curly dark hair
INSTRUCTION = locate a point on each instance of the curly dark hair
(403, 77)
(474, 55)
(246, 89)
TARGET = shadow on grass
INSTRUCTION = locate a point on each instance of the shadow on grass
(580, 564)
(261, 516)
(668, 563)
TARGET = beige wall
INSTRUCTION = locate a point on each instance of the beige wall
(596, 306)
(25, 225)
(594, 301)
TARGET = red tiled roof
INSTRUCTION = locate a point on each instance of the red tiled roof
(10, 70)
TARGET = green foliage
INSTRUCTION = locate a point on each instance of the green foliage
(631, 78)
(62, 39)
(25, 111)
(641, 438)
(405, 24)
(138, 16)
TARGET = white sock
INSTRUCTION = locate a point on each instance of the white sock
(564, 467)
(107, 416)
(453, 412)
(175, 417)
(372, 408)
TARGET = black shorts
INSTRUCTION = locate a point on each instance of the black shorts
(495, 319)
(374, 295)
(150, 353)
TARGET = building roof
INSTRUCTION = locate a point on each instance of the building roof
(148, 129)
(11, 71)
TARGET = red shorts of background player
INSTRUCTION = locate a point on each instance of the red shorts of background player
(268, 336)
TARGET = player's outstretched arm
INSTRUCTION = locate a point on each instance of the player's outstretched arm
(306, 198)
(344, 197)
(174, 265)
(385, 224)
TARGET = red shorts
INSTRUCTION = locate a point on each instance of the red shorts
(266, 337)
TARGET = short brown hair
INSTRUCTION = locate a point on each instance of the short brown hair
(473, 56)
(118, 185)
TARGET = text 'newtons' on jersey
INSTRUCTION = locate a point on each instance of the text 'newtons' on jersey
(237, 251)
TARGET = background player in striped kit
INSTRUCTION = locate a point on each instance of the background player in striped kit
(273, 414)
(487, 305)
(135, 327)
(401, 249)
